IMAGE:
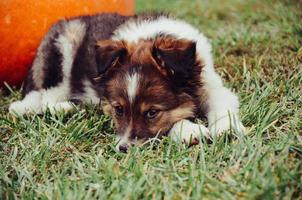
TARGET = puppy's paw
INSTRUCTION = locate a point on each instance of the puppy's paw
(31, 104)
(226, 123)
(17, 108)
(64, 106)
(21, 108)
(188, 132)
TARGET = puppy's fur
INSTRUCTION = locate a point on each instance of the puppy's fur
(150, 72)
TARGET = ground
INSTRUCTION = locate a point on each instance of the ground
(257, 49)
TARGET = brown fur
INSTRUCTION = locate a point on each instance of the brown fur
(169, 83)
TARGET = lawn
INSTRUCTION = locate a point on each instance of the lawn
(257, 50)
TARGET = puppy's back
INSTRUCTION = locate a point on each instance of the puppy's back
(70, 44)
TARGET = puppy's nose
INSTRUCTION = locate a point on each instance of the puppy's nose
(123, 148)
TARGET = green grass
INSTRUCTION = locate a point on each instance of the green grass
(257, 48)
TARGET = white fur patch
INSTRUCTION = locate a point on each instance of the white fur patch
(90, 95)
(133, 31)
(132, 82)
(67, 52)
(186, 131)
(223, 106)
(69, 44)
(53, 96)
(220, 122)
(30, 104)
(61, 106)
(75, 31)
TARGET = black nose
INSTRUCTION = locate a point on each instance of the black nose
(123, 148)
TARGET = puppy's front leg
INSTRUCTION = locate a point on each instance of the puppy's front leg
(223, 113)
(188, 132)
(221, 105)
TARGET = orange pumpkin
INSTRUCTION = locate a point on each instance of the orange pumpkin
(23, 24)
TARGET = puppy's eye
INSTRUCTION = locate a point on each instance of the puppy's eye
(119, 110)
(152, 113)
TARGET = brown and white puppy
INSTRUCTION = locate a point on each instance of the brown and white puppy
(151, 72)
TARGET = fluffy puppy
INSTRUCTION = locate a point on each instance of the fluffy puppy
(151, 73)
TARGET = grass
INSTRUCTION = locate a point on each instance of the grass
(257, 48)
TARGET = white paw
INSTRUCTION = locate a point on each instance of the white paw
(18, 107)
(30, 104)
(230, 122)
(188, 132)
(64, 106)
(21, 108)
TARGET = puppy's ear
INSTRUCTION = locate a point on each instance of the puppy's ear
(175, 57)
(108, 54)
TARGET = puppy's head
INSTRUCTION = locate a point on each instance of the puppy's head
(148, 85)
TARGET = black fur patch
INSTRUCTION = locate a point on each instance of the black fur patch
(99, 27)
(53, 64)
(29, 84)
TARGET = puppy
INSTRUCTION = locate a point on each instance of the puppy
(151, 73)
